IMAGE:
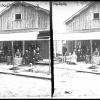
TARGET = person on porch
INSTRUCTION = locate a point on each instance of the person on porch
(74, 58)
(64, 53)
(9, 57)
(17, 58)
(79, 52)
(34, 57)
(18, 54)
(38, 56)
(96, 52)
(87, 55)
(95, 58)
(26, 57)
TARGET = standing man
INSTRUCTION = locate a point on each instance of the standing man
(64, 53)
(87, 55)
(9, 57)
(34, 57)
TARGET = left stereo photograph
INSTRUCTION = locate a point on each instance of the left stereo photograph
(25, 62)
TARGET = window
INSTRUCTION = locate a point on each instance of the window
(96, 15)
(18, 17)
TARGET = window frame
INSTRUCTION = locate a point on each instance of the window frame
(20, 16)
(96, 17)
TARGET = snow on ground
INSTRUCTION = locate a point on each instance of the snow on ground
(21, 87)
(12, 86)
(72, 84)
(44, 69)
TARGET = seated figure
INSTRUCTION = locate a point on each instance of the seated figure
(26, 57)
(95, 57)
(38, 56)
(68, 58)
(96, 52)
(17, 58)
(18, 53)
(74, 58)
(34, 57)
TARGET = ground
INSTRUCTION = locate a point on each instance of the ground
(72, 84)
(12, 86)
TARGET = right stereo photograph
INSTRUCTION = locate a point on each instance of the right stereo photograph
(76, 43)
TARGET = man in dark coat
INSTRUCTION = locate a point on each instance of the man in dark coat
(87, 56)
(9, 57)
(38, 56)
(64, 53)
(64, 50)
(26, 57)
(34, 57)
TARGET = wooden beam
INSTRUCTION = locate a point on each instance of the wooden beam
(23, 47)
(91, 51)
(12, 53)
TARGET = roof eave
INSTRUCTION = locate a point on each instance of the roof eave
(79, 12)
(3, 11)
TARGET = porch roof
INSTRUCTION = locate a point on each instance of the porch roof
(77, 36)
(19, 36)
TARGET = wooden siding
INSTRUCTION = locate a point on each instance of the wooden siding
(43, 20)
(85, 20)
(30, 18)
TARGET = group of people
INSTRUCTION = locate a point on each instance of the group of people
(69, 58)
(81, 55)
(72, 58)
(95, 57)
(88, 55)
(30, 56)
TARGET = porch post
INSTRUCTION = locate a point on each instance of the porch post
(12, 54)
(23, 47)
(80, 43)
(91, 51)
(75, 43)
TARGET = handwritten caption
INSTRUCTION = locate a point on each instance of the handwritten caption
(4, 4)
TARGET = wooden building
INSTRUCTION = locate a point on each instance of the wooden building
(85, 21)
(22, 17)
